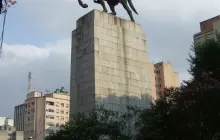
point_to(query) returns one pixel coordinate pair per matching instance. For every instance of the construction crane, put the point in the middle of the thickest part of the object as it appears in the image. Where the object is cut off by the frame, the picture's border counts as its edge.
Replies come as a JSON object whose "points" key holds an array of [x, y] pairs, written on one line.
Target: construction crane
{"points": [[4, 5]]}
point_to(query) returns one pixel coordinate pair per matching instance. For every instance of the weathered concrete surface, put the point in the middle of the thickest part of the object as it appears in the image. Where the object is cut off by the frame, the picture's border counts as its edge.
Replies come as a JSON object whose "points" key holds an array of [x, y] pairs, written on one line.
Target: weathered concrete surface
{"points": [[108, 63]]}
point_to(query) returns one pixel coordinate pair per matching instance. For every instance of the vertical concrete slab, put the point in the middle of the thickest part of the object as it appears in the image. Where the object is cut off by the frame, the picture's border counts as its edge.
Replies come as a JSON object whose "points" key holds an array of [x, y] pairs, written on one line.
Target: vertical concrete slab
{"points": [[108, 64]]}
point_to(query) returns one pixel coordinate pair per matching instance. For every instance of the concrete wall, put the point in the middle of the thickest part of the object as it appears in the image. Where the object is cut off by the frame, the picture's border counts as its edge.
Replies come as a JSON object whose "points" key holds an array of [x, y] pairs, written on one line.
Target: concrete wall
{"points": [[39, 123], [18, 135], [108, 64], [3, 135]]}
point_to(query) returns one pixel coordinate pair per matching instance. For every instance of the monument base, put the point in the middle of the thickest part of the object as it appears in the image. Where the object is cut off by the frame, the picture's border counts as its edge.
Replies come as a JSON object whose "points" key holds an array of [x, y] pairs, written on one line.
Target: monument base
{"points": [[108, 64]]}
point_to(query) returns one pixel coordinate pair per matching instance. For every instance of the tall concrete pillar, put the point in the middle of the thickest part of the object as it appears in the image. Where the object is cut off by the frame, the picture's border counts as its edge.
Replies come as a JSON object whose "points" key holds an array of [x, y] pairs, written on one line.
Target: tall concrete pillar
{"points": [[108, 64]]}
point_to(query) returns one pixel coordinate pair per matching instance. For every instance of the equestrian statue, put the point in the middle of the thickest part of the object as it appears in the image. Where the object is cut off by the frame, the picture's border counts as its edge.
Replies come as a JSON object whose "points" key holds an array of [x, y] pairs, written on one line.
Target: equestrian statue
{"points": [[112, 4]]}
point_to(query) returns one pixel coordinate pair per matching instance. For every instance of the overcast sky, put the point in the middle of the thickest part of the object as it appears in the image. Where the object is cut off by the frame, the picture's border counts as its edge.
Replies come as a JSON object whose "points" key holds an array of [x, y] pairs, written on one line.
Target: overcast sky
{"points": [[37, 39]]}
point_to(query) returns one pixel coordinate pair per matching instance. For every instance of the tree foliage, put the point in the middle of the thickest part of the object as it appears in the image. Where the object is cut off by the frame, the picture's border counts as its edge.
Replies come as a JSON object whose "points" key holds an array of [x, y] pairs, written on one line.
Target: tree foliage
{"points": [[96, 125], [190, 112], [205, 59]]}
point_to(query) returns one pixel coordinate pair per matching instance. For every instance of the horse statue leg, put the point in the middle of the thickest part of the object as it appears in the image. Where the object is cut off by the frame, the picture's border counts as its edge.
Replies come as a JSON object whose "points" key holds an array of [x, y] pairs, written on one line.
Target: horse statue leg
{"points": [[125, 5], [102, 3], [82, 4], [112, 4], [112, 7]]}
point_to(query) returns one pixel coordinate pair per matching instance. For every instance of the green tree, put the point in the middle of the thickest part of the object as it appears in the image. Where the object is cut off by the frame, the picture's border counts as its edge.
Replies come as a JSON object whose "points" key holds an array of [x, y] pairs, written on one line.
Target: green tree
{"points": [[96, 125], [205, 59], [190, 112]]}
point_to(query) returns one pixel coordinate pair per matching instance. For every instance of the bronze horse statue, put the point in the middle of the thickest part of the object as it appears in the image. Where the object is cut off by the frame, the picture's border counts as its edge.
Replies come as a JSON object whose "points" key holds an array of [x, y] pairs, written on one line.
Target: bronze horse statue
{"points": [[112, 4]]}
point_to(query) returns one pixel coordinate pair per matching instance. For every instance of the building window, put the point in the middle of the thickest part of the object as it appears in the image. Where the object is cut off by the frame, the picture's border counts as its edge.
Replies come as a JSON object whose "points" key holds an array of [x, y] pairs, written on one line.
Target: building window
{"points": [[50, 110], [49, 103], [62, 104], [67, 106], [61, 118], [67, 113], [50, 117], [61, 112], [57, 104], [57, 111]]}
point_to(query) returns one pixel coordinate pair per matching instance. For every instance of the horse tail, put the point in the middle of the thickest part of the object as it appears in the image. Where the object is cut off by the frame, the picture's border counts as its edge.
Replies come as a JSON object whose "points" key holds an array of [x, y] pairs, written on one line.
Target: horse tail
{"points": [[132, 6], [82, 4]]}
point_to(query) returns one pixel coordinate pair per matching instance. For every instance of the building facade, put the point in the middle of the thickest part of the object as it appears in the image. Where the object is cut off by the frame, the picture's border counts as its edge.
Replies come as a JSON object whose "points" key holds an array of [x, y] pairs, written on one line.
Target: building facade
{"points": [[9, 135], [8, 132], [19, 117], [44, 113], [208, 29], [6, 121], [163, 77]]}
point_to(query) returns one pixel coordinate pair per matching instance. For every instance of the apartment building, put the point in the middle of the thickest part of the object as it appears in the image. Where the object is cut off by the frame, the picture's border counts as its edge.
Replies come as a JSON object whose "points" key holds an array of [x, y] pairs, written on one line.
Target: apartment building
{"points": [[162, 77], [45, 113], [208, 29]]}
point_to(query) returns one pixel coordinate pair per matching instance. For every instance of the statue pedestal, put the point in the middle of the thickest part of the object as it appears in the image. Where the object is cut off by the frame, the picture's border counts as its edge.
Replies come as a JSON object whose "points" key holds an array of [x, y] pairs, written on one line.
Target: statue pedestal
{"points": [[108, 64]]}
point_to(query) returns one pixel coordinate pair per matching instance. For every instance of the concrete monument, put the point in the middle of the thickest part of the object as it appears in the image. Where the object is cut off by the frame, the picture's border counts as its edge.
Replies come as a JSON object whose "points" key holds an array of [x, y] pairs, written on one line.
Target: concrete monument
{"points": [[108, 64]]}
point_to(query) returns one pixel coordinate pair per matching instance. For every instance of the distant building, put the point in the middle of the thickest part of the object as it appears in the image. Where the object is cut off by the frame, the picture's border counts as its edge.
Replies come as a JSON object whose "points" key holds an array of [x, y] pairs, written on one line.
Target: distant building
{"points": [[162, 77], [6, 121], [8, 131], [208, 29], [11, 135], [19, 117], [43, 113]]}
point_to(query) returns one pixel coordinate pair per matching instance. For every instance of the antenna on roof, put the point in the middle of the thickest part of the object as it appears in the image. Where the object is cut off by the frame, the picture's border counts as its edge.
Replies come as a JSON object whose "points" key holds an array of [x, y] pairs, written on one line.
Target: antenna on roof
{"points": [[29, 82]]}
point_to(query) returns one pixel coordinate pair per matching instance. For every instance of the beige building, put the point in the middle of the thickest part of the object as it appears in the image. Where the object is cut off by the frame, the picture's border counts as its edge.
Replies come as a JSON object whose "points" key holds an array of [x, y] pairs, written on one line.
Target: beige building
{"points": [[208, 29], [162, 77], [8, 132], [45, 113]]}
